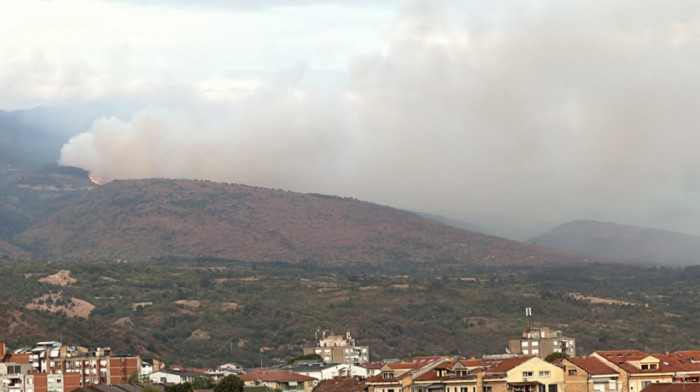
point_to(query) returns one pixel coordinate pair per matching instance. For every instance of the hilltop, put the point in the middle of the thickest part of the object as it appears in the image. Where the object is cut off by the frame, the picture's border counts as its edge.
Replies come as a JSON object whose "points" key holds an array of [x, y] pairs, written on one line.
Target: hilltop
{"points": [[624, 242], [150, 219]]}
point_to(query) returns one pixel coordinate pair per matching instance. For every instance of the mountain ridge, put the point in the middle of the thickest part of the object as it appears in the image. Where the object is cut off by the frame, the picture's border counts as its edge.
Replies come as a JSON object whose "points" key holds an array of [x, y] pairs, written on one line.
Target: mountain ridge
{"points": [[624, 242], [144, 219]]}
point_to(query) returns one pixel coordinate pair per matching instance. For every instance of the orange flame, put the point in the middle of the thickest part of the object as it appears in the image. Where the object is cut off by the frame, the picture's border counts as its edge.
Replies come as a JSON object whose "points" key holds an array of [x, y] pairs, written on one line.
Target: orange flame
{"points": [[95, 180]]}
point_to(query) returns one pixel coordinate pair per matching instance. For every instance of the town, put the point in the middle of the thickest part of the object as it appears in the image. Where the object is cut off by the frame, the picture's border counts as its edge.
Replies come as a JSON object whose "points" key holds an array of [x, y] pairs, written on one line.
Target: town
{"points": [[541, 360]]}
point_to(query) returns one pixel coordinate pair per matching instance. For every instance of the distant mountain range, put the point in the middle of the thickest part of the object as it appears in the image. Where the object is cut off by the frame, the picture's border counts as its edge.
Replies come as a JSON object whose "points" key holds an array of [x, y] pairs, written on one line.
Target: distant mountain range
{"points": [[58, 213], [624, 242]]}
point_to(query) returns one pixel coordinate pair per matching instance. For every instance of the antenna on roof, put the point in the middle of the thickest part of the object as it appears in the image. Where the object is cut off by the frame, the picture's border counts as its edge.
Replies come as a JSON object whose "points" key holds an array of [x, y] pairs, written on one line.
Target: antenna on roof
{"points": [[528, 314]]}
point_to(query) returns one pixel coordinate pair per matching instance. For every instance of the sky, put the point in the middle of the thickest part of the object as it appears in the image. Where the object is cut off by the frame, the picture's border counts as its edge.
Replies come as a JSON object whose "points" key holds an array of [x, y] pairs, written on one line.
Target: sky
{"points": [[516, 115]]}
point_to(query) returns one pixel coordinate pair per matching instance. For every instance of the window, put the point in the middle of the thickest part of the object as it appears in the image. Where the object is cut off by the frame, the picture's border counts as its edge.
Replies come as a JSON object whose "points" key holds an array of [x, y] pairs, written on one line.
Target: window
{"points": [[552, 387], [572, 372], [527, 374], [544, 373], [645, 384], [486, 389], [535, 343], [535, 351], [526, 352], [464, 389]]}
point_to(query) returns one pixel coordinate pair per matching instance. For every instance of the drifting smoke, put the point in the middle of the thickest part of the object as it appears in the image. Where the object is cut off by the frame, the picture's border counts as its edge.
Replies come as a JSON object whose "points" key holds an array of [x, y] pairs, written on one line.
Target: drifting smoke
{"points": [[577, 110]]}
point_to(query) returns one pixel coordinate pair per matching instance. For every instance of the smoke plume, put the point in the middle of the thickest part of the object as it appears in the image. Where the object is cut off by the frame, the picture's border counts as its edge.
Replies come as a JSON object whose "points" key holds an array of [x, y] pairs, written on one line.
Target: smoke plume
{"points": [[515, 118]]}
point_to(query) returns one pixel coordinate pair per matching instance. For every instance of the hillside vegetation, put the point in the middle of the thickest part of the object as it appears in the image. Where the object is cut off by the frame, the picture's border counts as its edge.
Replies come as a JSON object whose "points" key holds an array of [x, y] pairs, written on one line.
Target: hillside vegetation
{"points": [[208, 313], [142, 220]]}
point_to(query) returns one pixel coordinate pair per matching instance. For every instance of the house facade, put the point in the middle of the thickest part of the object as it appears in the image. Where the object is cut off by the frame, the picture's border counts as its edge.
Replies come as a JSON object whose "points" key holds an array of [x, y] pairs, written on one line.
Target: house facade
{"points": [[285, 380], [339, 349], [589, 374]]}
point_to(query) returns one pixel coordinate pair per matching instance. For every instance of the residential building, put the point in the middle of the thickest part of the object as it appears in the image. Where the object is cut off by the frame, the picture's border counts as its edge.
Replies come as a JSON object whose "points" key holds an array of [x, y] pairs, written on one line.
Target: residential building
{"points": [[14, 377], [684, 371], [285, 380], [522, 374], [327, 371], [447, 377], [589, 374], [399, 376], [56, 367], [542, 341], [637, 369], [339, 349]]}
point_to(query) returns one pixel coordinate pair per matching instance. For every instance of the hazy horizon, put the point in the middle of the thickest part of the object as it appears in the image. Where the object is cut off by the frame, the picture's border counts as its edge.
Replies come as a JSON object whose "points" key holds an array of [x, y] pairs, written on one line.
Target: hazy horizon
{"points": [[517, 116]]}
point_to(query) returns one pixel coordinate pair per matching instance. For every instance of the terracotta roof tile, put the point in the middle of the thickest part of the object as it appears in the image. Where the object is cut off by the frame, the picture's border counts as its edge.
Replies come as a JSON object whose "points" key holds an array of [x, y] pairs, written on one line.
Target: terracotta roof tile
{"points": [[504, 365], [668, 387], [592, 365]]}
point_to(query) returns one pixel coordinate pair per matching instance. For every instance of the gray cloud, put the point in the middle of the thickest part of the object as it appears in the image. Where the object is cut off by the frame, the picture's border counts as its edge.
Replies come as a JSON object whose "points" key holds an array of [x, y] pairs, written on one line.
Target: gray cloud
{"points": [[517, 118]]}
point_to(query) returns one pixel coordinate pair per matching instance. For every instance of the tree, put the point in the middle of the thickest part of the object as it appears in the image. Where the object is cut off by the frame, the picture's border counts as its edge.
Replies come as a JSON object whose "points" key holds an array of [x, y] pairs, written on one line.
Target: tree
{"points": [[134, 378], [229, 383], [554, 356], [202, 382], [184, 387], [306, 357]]}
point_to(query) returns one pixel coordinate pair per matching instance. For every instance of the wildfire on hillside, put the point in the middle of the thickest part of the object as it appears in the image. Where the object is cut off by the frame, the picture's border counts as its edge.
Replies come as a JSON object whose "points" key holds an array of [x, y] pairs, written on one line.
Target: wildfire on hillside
{"points": [[95, 180]]}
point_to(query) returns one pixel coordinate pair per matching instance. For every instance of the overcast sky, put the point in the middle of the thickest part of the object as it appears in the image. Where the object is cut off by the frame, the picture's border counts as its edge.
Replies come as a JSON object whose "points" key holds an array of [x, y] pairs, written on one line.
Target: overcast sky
{"points": [[517, 115]]}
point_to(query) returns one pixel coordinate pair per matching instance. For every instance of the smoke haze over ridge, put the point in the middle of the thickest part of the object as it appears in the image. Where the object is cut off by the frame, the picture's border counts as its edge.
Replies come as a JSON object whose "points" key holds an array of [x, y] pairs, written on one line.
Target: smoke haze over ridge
{"points": [[518, 116]]}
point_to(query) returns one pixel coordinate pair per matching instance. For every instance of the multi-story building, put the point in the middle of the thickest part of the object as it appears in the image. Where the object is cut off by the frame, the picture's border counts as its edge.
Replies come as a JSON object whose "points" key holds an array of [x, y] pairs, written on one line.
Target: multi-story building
{"points": [[53, 367], [637, 369], [399, 376], [448, 377], [326, 371], [542, 341], [522, 374], [339, 349]]}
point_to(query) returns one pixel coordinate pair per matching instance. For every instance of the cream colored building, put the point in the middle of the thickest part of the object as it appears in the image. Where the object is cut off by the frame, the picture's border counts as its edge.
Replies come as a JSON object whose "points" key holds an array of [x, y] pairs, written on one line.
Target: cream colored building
{"points": [[522, 374]]}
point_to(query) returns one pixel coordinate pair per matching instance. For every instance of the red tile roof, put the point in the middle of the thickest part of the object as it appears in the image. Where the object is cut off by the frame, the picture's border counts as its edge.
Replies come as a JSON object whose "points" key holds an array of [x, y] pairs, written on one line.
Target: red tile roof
{"points": [[409, 366], [693, 355], [676, 363], [592, 366], [503, 366], [668, 363], [401, 365], [677, 387], [341, 385]]}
